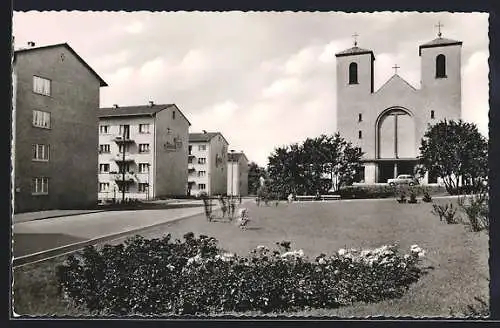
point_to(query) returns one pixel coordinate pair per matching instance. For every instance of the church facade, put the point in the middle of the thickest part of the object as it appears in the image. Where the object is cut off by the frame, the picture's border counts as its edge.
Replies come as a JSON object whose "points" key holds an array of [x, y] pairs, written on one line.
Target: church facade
{"points": [[389, 123]]}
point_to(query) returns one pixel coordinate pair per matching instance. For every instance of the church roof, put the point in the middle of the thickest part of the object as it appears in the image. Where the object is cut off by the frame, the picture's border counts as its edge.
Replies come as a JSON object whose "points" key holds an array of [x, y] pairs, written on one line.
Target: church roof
{"points": [[396, 79], [438, 42], [355, 51]]}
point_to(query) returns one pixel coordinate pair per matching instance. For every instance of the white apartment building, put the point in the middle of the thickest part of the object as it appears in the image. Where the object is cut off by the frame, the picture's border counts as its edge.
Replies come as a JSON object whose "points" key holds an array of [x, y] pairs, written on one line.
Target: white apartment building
{"points": [[237, 174], [143, 151], [207, 163]]}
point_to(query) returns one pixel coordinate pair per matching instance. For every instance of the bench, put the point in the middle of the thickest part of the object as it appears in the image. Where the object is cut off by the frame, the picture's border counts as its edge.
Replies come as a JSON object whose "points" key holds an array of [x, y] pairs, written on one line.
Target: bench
{"points": [[321, 197]]}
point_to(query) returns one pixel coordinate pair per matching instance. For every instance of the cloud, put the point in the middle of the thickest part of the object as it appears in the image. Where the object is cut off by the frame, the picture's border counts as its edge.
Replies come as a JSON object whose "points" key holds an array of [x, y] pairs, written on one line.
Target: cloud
{"points": [[262, 79], [134, 28]]}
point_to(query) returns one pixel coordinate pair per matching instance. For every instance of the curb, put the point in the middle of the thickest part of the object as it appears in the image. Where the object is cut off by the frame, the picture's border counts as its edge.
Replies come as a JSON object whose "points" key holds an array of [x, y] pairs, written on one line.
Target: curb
{"points": [[71, 248], [59, 216]]}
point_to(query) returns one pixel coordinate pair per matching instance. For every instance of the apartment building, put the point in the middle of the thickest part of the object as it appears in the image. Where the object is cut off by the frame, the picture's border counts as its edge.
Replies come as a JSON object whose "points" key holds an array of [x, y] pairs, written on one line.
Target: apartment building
{"points": [[237, 174], [54, 129], [143, 152], [207, 163]]}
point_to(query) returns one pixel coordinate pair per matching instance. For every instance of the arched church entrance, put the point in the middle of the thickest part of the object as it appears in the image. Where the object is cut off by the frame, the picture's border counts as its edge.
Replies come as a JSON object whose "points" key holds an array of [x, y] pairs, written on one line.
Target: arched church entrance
{"points": [[396, 148]]}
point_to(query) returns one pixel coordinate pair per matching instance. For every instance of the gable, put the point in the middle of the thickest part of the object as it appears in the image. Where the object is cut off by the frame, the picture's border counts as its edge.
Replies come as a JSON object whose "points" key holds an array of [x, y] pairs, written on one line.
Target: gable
{"points": [[396, 85]]}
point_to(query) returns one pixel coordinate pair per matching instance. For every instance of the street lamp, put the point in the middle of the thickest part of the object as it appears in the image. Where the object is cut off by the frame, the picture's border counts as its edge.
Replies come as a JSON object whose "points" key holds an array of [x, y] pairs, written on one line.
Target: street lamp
{"points": [[232, 169]]}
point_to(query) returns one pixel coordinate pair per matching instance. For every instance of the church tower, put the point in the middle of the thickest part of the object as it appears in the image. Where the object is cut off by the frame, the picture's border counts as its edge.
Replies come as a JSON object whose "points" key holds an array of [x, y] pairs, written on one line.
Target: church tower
{"points": [[355, 71], [441, 87]]}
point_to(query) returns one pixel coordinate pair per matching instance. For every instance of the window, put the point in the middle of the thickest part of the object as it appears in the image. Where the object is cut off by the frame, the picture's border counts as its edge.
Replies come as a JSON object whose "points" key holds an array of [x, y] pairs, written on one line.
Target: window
{"points": [[41, 85], [353, 73], [360, 134], [142, 187], [190, 160], [123, 167], [360, 117], [202, 186], [190, 149], [103, 168], [41, 119], [104, 149], [202, 147], [41, 152], [125, 131], [104, 129], [143, 148], [103, 186], [121, 147], [440, 66], [432, 114], [40, 186], [143, 167], [202, 160], [202, 173], [123, 187], [173, 115], [143, 128]]}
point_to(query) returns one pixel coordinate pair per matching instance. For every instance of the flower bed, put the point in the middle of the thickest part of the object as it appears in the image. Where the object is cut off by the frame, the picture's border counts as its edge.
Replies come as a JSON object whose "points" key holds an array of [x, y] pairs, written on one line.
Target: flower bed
{"points": [[194, 276]]}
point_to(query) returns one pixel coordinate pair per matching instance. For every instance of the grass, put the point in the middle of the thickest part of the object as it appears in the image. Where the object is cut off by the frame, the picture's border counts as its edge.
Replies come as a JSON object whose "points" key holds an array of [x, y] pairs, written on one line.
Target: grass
{"points": [[457, 257]]}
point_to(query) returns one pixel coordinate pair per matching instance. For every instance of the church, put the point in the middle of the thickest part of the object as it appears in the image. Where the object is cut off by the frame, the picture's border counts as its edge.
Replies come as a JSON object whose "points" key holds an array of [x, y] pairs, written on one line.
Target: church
{"points": [[388, 123]]}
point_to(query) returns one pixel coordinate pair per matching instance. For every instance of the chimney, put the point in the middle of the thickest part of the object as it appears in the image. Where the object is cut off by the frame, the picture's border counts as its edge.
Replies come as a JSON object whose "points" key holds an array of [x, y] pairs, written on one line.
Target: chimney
{"points": [[151, 103], [204, 131], [31, 44], [115, 106]]}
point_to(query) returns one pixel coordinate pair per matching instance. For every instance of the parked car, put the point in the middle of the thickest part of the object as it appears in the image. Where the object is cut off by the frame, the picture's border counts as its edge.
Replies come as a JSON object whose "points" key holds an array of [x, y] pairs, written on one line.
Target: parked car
{"points": [[403, 179]]}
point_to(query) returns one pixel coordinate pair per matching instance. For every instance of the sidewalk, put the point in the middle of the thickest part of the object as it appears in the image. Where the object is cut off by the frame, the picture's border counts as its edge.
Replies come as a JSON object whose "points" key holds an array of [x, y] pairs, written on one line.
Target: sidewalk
{"points": [[32, 216]]}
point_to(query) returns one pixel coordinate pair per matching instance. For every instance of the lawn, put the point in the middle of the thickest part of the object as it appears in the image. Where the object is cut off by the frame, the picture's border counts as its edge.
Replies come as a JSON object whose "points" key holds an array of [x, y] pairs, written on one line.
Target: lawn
{"points": [[457, 257]]}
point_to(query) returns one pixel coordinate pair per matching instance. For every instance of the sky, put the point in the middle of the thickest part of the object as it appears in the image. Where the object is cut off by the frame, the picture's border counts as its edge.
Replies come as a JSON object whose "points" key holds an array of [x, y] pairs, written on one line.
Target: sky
{"points": [[262, 79]]}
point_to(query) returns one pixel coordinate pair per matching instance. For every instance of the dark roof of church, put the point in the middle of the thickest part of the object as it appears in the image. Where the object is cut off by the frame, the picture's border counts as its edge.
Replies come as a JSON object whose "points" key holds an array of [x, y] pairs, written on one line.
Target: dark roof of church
{"points": [[438, 42], [66, 45], [204, 136], [355, 51]]}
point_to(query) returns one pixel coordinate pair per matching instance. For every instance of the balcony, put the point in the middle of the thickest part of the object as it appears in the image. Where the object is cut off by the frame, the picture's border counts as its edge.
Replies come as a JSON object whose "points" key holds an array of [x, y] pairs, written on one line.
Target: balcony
{"points": [[121, 139], [191, 170], [129, 177], [119, 158]]}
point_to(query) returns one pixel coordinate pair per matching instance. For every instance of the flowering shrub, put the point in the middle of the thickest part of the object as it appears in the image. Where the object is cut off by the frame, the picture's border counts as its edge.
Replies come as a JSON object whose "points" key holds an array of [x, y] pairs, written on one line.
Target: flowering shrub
{"points": [[162, 276]]}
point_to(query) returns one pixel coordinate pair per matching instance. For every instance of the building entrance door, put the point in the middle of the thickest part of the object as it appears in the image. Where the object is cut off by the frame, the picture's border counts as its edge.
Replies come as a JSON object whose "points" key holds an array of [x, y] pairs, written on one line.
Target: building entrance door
{"points": [[386, 171]]}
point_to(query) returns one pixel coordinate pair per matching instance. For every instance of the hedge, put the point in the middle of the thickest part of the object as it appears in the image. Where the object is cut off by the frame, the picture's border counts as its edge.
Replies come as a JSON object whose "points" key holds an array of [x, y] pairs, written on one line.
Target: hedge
{"points": [[386, 191], [194, 276]]}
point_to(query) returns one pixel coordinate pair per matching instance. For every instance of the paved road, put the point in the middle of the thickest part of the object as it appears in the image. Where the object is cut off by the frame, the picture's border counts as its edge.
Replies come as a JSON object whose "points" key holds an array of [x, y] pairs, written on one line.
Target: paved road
{"points": [[35, 236]]}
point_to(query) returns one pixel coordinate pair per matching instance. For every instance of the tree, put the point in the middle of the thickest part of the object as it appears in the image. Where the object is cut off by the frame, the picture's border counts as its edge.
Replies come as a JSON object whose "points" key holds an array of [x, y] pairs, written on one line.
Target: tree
{"points": [[310, 167], [254, 174], [454, 149]]}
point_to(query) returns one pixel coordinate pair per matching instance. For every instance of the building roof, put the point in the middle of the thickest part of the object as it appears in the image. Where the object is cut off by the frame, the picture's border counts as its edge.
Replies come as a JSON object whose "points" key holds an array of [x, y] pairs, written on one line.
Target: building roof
{"points": [[204, 136], [143, 110], [396, 79], [235, 157], [355, 51], [66, 45], [438, 42]]}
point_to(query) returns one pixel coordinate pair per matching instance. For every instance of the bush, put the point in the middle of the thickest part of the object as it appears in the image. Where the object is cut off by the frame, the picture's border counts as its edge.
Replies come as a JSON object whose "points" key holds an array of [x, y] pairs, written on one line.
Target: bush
{"points": [[446, 212], [385, 191], [413, 198], [427, 196], [476, 210], [194, 276]]}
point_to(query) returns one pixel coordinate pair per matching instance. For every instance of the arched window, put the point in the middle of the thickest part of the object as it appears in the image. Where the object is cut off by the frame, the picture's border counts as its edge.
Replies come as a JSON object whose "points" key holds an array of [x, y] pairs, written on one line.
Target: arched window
{"points": [[353, 73], [440, 66], [432, 114]]}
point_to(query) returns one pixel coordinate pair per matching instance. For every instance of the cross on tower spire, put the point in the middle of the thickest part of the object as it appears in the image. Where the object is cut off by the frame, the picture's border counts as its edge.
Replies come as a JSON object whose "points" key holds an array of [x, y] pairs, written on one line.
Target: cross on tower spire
{"points": [[439, 25], [396, 68], [355, 36]]}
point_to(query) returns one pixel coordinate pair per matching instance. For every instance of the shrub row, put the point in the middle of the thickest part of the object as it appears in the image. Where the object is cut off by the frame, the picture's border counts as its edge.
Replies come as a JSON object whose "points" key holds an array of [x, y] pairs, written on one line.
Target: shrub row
{"points": [[385, 191], [194, 276]]}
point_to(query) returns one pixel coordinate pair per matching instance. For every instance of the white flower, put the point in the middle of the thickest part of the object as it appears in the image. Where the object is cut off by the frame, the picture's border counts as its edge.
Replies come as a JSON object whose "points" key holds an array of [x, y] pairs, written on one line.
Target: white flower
{"points": [[406, 256], [342, 252], [336, 272], [170, 267], [321, 261], [421, 254]]}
